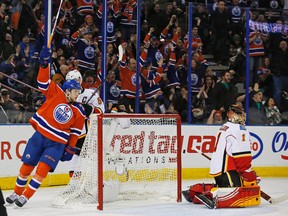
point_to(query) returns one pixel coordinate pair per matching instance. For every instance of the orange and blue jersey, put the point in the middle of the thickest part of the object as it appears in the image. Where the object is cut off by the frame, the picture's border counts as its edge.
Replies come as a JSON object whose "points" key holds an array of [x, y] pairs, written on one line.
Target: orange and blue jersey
{"points": [[150, 78], [256, 48], [128, 80], [85, 7], [171, 72], [57, 119]]}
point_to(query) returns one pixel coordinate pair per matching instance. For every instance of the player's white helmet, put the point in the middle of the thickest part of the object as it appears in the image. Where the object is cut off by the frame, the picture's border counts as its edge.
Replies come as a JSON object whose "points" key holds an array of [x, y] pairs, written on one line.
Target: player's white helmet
{"points": [[74, 75], [236, 114]]}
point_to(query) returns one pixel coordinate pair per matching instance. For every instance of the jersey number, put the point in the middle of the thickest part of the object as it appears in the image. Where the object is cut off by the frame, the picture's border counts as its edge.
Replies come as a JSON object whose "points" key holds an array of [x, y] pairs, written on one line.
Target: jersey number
{"points": [[243, 138]]}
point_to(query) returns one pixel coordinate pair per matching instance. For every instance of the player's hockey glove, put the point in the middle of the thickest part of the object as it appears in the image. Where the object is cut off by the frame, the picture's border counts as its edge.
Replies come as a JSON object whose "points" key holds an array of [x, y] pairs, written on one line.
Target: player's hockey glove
{"points": [[68, 153], [45, 57]]}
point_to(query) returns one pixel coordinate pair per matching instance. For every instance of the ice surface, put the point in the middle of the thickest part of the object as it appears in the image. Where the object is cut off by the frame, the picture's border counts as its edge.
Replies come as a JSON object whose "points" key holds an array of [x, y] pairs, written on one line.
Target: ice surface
{"points": [[40, 204]]}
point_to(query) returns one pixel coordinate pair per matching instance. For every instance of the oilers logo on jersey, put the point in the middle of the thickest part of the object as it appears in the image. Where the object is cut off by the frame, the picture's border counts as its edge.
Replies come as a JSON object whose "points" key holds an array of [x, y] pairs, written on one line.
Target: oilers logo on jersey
{"points": [[194, 79], [158, 55], [115, 91], [258, 41], [110, 27], [274, 4], [236, 11], [133, 79], [89, 52], [65, 41], [62, 113]]}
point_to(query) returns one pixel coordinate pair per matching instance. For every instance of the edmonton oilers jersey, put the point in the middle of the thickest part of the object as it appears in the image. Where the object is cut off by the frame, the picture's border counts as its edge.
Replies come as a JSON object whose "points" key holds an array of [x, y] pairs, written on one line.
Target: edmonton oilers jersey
{"points": [[57, 119]]}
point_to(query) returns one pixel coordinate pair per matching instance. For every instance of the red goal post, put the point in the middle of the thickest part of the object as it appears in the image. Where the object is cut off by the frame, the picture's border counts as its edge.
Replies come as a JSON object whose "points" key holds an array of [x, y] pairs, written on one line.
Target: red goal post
{"points": [[127, 157]]}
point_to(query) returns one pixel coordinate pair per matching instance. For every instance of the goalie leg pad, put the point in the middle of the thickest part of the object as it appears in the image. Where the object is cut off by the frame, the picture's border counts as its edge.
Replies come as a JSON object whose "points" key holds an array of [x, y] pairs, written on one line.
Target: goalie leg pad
{"points": [[236, 197]]}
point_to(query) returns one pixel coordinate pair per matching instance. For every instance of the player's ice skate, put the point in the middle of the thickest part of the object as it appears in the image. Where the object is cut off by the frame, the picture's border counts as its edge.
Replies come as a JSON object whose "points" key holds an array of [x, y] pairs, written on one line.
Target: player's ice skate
{"points": [[12, 198], [21, 201]]}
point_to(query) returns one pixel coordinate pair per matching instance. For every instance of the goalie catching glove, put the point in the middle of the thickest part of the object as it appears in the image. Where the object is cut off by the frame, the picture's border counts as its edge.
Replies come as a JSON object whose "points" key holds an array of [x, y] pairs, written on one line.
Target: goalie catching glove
{"points": [[68, 153]]}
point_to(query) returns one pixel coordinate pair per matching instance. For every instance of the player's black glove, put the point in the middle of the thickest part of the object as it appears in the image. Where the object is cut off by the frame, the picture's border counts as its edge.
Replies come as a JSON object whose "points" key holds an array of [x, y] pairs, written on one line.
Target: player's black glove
{"points": [[68, 153], [45, 57]]}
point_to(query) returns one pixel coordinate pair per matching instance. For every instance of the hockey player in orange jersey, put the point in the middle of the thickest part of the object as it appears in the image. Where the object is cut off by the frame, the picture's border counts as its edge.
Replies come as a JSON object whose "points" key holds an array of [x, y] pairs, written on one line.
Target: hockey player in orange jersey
{"points": [[57, 123], [231, 166]]}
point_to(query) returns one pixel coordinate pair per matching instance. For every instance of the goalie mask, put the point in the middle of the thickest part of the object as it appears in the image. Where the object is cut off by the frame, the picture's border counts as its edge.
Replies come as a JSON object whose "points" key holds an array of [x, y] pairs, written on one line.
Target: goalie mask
{"points": [[236, 115], [74, 75]]}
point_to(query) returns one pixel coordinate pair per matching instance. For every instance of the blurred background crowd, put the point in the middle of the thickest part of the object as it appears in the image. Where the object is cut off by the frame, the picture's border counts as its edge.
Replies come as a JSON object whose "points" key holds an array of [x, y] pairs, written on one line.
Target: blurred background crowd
{"points": [[219, 56]]}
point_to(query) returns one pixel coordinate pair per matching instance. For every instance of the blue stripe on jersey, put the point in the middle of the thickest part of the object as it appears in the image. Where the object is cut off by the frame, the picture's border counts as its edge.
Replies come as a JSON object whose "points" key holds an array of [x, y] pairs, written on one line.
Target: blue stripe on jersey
{"points": [[34, 184], [21, 182], [127, 93], [60, 134], [75, 131], [43, 85], [152, 93], [123, 64], [257, 50]]}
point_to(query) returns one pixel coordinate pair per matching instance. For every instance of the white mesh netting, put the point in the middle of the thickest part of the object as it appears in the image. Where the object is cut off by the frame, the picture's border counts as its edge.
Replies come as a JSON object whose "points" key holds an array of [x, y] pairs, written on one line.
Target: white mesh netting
{"points": [[139, 162]]}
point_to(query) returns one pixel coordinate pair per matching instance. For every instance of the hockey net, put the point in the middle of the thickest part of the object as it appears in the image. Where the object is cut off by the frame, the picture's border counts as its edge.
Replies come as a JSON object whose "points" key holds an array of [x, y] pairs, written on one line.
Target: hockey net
{"points": [[126, 157]]}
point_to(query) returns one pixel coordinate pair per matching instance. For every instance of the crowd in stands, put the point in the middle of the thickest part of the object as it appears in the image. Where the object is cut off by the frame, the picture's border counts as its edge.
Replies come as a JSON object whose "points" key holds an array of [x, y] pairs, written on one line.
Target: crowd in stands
{"points": [[218, 30]]}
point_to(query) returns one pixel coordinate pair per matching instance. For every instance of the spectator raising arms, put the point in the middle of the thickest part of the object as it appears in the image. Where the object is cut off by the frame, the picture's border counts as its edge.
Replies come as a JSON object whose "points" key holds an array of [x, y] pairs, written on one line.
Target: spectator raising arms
{"points": [[82, 42], [256, 107], [272, 112], [128, 79]]}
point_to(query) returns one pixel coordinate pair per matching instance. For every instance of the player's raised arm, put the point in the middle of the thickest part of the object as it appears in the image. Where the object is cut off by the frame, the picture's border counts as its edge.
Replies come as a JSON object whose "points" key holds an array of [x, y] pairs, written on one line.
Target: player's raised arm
{"points": [[44, 75]]}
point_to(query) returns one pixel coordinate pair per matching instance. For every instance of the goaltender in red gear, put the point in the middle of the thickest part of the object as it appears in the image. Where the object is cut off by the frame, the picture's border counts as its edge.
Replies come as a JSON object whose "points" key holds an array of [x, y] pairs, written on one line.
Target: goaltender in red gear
{"points": [[58, 124], [231, 167]]}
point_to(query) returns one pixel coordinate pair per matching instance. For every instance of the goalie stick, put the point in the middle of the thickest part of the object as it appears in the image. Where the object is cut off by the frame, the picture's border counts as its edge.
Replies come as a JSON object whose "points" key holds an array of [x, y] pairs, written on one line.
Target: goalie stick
{"points": [[264, 195]]}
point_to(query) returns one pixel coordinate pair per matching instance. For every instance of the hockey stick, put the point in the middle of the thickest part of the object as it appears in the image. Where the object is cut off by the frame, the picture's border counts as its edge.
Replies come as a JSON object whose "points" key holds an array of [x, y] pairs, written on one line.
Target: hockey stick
{"points": [[274, 200], [279, 199], [264, 195], [99, 87], [55, 24]]}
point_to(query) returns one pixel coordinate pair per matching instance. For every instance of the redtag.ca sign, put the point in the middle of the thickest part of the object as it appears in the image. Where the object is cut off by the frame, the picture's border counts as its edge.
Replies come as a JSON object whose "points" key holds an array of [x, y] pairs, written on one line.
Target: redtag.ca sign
{"points": [[150, 145], [150, 141]]}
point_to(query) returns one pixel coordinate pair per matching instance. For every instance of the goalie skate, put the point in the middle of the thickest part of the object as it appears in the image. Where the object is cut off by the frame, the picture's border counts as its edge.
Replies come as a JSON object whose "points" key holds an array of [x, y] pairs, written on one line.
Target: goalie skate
{"points": [[205, 200]]}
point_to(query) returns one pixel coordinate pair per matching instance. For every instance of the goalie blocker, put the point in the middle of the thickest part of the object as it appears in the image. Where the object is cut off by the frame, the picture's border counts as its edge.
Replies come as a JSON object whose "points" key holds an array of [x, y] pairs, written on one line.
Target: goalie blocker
{"points": [[215, 197]]}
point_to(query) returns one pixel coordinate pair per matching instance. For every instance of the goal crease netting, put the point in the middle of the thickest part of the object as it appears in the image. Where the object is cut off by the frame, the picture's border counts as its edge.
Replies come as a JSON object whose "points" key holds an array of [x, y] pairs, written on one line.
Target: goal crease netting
{"points": [[126, 157]]}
